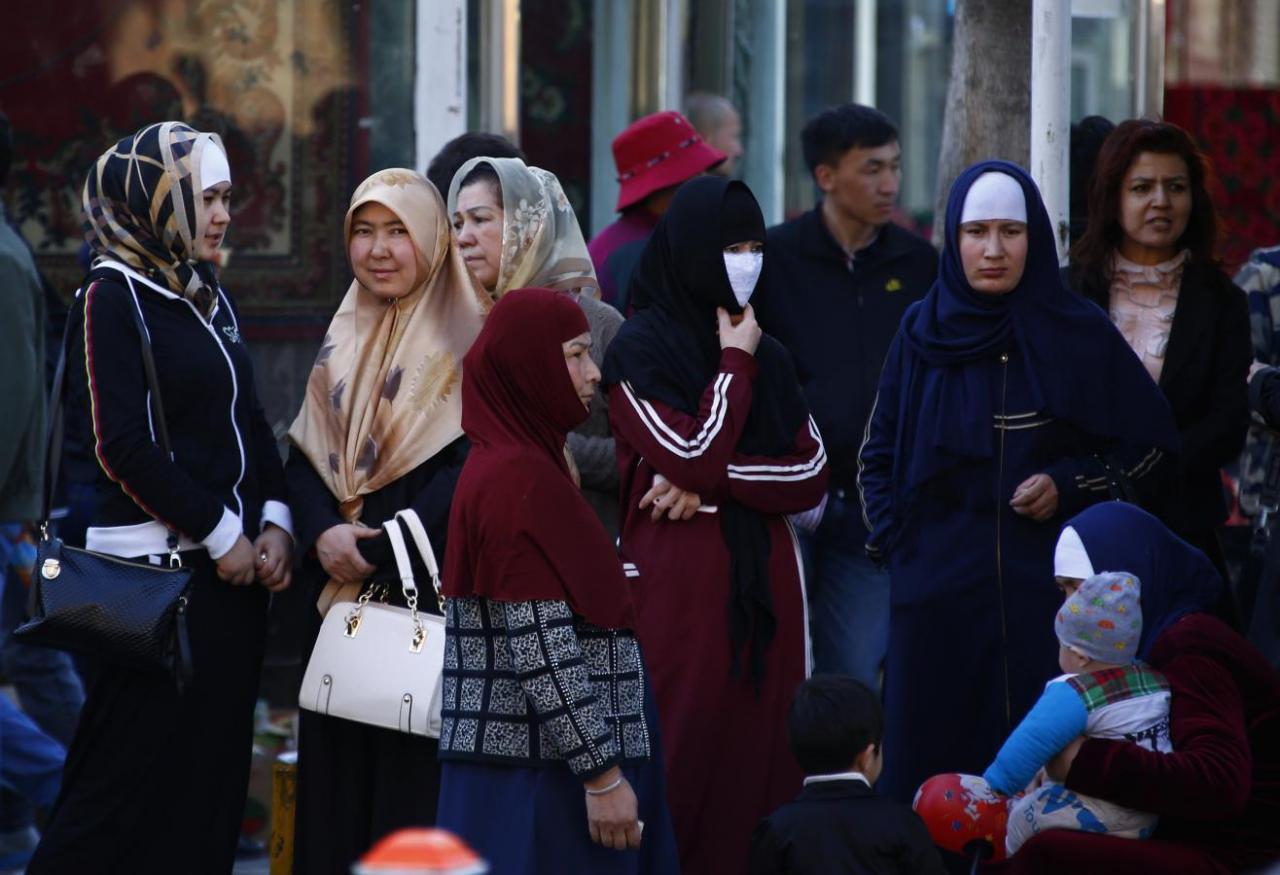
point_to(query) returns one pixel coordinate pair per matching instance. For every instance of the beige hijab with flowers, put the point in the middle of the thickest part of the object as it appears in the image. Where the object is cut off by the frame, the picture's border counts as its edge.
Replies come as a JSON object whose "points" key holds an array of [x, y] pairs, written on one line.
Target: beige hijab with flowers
{"points": [[542, 244], [384, 395]]}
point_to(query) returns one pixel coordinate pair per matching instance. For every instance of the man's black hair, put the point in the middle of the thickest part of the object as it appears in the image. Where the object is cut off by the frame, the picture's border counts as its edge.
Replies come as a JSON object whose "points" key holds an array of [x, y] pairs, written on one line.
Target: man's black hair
{"points": [[460, 150], [1087, 136], [832, 132], [832, 719]]}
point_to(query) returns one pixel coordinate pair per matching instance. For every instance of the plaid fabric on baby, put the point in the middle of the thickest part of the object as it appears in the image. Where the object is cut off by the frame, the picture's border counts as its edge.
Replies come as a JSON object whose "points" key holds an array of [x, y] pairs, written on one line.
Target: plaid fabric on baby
{"points": [[1112, 685]]}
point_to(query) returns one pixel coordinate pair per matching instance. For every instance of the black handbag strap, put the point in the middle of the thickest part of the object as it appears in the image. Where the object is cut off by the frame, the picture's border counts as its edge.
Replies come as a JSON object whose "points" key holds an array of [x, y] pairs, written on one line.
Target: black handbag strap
{"points": [[57, 398]]}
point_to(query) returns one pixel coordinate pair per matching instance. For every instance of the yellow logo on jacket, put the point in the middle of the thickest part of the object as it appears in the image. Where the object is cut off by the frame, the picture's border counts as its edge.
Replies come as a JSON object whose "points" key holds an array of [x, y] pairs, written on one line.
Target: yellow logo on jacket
{"points": [[893, 285]]}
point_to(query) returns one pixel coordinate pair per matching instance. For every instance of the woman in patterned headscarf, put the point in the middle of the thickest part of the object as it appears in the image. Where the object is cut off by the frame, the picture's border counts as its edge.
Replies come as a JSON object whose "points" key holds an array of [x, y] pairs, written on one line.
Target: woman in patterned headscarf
{"points": [[155, 778], [516, 229], [380, 431]]}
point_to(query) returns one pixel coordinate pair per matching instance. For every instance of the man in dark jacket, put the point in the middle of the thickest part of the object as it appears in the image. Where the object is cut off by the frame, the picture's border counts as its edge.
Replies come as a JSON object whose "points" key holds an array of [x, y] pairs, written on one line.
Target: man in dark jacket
{"points": [[840, 278]]}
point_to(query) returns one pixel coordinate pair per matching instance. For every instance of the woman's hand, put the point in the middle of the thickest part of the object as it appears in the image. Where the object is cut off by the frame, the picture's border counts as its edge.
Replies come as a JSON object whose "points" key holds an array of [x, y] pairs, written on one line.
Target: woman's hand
{"points": [[1036, 498], [744, 336], [1058, 767], [236, 565], [339, 557], [676, 503], [274, 553], [612, 817]]}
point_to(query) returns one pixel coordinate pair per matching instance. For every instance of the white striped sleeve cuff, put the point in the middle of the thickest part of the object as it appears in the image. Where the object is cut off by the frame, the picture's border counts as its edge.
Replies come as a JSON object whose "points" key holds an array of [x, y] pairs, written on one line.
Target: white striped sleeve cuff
{"points": [[667, 437], [224, 535], [277, 513], [811, 467]]}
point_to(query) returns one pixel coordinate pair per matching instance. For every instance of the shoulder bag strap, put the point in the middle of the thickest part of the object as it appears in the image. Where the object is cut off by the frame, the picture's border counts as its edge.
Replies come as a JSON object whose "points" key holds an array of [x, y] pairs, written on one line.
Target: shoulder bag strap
{"points": [[418, 532], [57, 398], [157, 407], [53, 436]]}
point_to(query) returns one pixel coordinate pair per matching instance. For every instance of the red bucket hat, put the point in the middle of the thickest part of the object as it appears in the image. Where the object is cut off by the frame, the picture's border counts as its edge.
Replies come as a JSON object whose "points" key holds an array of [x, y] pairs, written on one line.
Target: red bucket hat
{"points": [[656, 152]]}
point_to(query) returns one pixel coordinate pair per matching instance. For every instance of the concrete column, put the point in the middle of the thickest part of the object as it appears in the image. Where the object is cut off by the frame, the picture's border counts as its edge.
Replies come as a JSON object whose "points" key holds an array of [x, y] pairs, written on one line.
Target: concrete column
{"points": [[440, 76], [1051, 112]]}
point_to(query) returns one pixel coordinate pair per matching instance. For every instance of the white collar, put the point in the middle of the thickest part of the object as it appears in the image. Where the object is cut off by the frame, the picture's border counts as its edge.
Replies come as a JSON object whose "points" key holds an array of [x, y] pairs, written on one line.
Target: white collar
{"points": [[123, 268], [837, 776], [137, 277]]}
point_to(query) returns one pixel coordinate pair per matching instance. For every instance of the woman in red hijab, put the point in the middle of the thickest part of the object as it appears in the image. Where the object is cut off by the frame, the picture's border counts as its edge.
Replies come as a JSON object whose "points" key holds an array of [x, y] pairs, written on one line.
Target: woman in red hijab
{"points": [[549, 742]]}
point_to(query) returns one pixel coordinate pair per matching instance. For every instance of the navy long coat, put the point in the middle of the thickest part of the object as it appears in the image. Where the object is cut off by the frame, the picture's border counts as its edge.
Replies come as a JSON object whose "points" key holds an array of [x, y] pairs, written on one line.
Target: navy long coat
{"points": [[971, 640]]}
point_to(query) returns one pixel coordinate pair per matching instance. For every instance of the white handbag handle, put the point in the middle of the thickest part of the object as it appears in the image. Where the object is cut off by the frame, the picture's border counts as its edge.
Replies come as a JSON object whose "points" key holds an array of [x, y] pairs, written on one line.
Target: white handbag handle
{"points": [[410, 589], [407, 585], [418, 532]]}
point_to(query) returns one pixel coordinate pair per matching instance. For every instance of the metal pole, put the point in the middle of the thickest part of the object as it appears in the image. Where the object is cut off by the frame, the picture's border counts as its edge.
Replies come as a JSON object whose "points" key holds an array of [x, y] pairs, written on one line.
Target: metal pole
{"points": [[1154, 74], [864, 69], [762, 165], [610, 102], [1051, 111], [500, 44]]}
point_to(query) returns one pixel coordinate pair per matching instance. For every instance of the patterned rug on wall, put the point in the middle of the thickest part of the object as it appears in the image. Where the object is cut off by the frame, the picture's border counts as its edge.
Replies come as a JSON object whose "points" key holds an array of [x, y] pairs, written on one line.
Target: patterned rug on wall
{"points": [[273, 77], [1239, 129]]}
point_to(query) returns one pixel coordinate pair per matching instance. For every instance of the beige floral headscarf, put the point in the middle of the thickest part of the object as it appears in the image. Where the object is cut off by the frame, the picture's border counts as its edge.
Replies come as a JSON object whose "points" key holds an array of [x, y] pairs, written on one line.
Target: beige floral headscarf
{"points": [[383, 395], [542, 245]]}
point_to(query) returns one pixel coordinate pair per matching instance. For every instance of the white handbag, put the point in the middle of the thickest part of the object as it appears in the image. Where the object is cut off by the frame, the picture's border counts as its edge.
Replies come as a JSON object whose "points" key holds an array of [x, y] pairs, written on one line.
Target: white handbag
{"points": [[381, 664]]}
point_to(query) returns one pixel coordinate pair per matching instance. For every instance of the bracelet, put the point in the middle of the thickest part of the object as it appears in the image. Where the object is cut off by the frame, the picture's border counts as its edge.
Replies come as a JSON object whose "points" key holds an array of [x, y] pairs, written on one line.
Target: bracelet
{"points": [[603, 790]]}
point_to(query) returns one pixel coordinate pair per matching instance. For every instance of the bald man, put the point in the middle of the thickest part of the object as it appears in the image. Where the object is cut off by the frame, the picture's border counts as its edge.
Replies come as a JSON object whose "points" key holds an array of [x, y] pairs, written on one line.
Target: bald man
{"points": [[716, 119]]}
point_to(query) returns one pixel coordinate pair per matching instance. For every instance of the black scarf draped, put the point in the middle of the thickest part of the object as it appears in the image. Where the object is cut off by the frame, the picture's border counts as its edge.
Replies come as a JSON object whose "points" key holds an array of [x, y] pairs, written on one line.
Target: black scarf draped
{"points": [[669, 351]]}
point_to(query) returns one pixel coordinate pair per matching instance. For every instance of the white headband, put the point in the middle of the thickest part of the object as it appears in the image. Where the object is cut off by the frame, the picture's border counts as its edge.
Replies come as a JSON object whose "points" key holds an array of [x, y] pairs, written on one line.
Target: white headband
{"points": [[213, 165], [1070, 559], [994, 195]]}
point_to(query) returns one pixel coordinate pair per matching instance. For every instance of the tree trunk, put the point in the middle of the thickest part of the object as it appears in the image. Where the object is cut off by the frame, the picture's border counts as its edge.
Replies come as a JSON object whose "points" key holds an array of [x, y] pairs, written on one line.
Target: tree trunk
{"points": [[988, 111]]}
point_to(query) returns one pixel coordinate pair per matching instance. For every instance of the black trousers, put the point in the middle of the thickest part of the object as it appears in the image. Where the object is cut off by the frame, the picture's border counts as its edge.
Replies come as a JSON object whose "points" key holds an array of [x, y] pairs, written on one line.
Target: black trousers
{"points": [[356, 784], [155, 780]]}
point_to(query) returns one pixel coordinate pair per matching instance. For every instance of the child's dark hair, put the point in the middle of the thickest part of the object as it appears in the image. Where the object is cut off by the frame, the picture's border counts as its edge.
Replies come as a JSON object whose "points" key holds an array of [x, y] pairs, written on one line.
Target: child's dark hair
{"points": [[832, 719], [832, 132]]}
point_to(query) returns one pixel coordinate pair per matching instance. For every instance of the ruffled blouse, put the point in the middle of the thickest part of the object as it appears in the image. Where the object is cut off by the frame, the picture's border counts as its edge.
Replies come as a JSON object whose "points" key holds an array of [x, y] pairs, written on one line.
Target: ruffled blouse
{"points": [[1143, 301]]}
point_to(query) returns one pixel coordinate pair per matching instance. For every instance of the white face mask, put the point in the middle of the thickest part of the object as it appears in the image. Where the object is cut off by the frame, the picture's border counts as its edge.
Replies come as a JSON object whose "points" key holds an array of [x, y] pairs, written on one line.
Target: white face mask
{"points": [[743, 269]]}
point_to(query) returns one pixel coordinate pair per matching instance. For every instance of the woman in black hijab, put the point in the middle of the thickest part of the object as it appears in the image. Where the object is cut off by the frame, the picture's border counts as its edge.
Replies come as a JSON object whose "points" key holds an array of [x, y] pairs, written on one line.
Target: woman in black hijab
{"points": [[715, 447]]}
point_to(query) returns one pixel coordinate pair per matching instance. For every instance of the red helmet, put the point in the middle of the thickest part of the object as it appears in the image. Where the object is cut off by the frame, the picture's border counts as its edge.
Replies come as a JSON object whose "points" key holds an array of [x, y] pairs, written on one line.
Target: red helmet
{"points": [[963, 814]]}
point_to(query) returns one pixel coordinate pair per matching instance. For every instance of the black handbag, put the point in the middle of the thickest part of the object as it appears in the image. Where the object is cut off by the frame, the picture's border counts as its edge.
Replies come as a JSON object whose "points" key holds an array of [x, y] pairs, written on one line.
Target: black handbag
{"points": [[122, 612]]}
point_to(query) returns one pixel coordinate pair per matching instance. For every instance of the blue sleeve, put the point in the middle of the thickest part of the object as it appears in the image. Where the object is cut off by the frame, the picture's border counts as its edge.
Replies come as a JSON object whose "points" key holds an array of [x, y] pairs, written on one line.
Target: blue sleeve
{"points": [[1053, 722]]}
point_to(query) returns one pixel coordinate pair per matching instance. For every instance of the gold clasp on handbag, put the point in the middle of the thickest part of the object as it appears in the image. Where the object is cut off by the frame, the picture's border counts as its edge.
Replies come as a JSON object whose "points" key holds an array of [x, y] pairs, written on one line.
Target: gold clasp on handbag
{"points": [[419, 631], [353, 618], [51, 569]]}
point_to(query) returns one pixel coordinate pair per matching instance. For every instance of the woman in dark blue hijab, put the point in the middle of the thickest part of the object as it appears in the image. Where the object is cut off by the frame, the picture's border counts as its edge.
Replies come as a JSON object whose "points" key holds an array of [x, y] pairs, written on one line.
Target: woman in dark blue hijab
{"points": [[1006, 405], [1218, 793], [1177, 579]]}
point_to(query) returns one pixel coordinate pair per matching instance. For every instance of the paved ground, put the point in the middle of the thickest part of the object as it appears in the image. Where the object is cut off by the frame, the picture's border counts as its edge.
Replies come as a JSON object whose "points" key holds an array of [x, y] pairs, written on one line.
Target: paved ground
{"points": [[245, 867]]}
